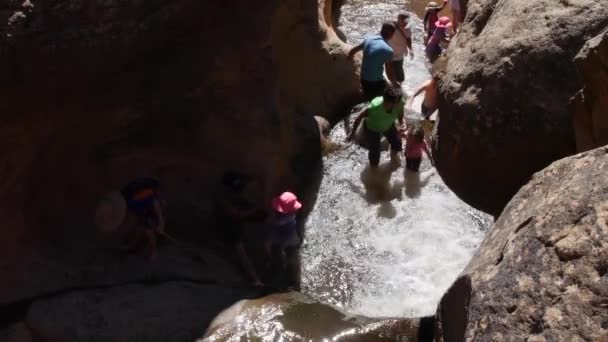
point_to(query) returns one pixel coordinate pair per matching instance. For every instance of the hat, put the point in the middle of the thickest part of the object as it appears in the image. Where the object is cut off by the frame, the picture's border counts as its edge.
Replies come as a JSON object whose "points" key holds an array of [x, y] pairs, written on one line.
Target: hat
{"points": [[286, 203], [111, 211], [432, 5], [443, 22]]}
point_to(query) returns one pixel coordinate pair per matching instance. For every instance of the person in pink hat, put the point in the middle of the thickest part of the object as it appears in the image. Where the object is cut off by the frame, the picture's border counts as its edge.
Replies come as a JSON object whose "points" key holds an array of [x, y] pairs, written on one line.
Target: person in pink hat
{"points": [[283, 233], [433, 47]]}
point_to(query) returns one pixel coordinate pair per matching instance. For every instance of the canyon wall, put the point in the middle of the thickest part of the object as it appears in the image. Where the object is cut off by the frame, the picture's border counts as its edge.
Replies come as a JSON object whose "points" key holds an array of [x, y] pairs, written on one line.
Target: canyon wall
{"points": [[96, 93], [541, 273], [504, 100]]}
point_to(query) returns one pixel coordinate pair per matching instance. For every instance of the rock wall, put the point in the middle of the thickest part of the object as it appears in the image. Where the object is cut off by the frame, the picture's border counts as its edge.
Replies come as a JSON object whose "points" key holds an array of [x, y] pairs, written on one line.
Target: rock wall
{"points": [[95, 93], [590, 106], [504, 98], [541, 274]]}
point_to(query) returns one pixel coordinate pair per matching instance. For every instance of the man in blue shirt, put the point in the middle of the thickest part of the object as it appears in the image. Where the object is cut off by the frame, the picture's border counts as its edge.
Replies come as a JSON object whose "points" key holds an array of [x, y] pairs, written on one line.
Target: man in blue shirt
{"points": [[376, 54]]}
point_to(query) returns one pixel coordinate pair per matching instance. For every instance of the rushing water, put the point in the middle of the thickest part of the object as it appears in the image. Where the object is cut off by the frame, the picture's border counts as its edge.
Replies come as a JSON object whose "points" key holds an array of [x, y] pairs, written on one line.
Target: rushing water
{"points": [[385, 244]]}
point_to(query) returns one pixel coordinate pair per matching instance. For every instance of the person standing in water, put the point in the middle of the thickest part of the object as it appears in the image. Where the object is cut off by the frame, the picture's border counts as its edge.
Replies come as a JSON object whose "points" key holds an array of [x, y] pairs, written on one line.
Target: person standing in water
{"points": [[414, 146], [431, 95], [430, 18], [380, 118], [283, 232], [433, 47], [377, 54], [401, 43]]}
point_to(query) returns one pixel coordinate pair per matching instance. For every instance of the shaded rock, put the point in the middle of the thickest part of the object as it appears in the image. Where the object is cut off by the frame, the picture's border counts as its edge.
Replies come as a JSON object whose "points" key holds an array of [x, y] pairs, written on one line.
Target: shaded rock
{"points": [[16, 333], [590, 105], [173, 311], [94, 94], [541, 274], [301, 318], [505, 94], [318, 78]]}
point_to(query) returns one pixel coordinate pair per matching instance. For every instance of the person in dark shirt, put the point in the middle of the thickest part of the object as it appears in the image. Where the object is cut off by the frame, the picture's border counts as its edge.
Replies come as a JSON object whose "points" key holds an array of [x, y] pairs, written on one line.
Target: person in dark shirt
{"points": [[144, 207]]}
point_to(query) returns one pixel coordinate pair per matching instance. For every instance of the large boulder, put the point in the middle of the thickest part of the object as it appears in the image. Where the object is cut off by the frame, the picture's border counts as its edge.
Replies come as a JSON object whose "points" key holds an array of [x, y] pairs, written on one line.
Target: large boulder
{"points": [[298, 317], [541, 274], [590, 105], [96, 93], [504, 97]]}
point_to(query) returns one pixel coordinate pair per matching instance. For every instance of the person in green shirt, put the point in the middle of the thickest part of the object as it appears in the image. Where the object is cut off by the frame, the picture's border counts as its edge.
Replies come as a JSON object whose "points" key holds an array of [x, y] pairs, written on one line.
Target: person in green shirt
{"points": [[380, 117]]}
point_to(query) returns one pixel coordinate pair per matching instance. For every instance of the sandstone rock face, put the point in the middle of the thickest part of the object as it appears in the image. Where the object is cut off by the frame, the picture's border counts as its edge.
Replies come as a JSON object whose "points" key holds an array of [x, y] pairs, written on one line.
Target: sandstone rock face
{"points": [[590, 105], [172, 311], [96, 93], [541, 274], [504, 98], [298, 317]]}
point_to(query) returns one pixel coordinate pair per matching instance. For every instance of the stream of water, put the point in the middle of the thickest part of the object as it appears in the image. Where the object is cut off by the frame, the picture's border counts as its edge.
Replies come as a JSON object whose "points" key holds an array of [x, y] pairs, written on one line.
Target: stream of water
{"points": [[388, 244]]}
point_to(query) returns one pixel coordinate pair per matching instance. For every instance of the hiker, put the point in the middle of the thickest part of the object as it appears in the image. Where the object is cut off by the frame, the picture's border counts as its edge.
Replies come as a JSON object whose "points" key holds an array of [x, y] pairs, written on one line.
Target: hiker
{"points": [[457, 15], [401, 43], [430, 18], [283, 233], [236, 211], [380, 118], [377, 53], [433, 46], [144, 208], [429, 104], [136, 213], [414, 146]]}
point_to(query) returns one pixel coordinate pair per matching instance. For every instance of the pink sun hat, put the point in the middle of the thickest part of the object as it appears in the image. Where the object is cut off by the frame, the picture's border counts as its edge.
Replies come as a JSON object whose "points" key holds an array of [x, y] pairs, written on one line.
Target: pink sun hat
{"points": [[443, 22], [286, 203]]}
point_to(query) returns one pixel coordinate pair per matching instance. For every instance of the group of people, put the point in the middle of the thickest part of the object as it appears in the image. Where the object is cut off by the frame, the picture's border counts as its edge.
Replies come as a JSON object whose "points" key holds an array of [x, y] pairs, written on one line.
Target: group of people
{"points": [[137, 214], [274, 225], [384, 53]]}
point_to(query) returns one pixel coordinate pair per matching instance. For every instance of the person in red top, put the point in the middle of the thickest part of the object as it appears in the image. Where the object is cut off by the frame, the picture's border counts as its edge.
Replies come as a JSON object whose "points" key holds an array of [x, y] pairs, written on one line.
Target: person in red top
{"points": [[430, 18], [414, 146]]}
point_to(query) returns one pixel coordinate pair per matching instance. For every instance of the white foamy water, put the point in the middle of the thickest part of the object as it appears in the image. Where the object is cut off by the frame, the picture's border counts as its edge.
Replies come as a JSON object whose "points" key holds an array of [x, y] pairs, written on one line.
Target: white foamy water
{"points": [[391, 243]]}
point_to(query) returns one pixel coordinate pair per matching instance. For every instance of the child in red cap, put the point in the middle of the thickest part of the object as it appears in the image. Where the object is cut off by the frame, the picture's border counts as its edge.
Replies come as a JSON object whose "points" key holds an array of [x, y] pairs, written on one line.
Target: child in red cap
{"points": [[441, 34], [283, 233]]}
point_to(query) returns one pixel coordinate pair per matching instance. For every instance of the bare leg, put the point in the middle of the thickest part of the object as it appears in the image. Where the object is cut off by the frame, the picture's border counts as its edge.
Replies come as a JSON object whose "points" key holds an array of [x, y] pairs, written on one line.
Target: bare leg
{"points": [[151, 237]]}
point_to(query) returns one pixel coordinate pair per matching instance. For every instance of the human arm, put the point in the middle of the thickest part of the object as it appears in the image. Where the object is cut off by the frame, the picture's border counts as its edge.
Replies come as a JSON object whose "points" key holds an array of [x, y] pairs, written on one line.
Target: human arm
{"points": [[360, 117], [410, 101], [425, 147], [160, 228], [408, 41], [390, 73], [445, 2], [354, 50], [247, 264]]}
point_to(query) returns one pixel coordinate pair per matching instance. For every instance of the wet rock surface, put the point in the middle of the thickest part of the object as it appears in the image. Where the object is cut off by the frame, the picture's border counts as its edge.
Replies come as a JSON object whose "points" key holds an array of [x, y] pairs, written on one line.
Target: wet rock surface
{"points": [[590, 105], [297, 317], [504, 97], [541, 274]]}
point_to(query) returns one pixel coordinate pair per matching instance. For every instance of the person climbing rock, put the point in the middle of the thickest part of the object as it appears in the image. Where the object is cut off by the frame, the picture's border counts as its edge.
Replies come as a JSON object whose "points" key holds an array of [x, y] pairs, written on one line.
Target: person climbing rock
{"points": [[430, 18], [377, 54], [433, 47], [236, 210], [144, 207], [401, 43], [414, 146], [431, 96], [457, 14], [380, 118], [283, 233], [135, 213]]}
